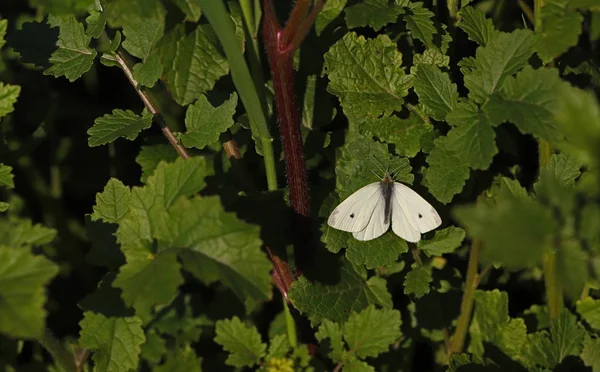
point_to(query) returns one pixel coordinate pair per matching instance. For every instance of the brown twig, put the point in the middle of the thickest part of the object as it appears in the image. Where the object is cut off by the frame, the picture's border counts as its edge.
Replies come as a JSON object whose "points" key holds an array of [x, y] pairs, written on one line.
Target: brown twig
{"points": [[122, 60]]}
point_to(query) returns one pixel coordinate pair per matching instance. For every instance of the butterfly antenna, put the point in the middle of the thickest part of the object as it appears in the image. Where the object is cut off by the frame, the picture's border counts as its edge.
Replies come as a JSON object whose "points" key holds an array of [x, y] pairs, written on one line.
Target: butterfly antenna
{"points": [[377, 164], [399, 168]]}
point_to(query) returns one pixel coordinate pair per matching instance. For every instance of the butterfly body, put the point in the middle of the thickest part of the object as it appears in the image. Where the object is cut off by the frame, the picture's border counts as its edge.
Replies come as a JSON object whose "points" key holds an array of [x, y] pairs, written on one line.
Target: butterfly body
{"points": [[369, 212]]}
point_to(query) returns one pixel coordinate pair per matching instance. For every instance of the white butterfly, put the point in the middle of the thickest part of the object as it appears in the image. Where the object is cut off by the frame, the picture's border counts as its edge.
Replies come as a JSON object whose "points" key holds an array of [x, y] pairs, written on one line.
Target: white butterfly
{"points": [[368, 212]]}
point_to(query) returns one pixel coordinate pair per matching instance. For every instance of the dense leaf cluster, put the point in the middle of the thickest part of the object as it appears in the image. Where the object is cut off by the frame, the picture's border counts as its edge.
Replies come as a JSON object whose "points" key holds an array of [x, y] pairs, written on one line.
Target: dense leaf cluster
{"points": [[144, 210]]}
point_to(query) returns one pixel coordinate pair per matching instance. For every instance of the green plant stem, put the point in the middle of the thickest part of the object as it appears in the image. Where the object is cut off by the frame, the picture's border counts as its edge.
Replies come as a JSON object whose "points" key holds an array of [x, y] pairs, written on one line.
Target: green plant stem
{"points": [[537, 12], [219, 18], [466, 306], [122, 61], [527, 11], [553, 293]]}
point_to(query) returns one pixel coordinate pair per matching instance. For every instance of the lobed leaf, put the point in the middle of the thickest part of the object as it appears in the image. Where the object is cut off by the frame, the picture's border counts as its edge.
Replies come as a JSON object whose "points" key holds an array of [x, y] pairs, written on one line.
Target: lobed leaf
{"points": [[560, 27], [113, 203], [589, 309], [372, 331], [242, 342], [205, 123], [6, 176], [8, 98], [374, 13], [436, 92], [479, 28], [120, 123], [443, 241], [417, 281], [141, 36]]}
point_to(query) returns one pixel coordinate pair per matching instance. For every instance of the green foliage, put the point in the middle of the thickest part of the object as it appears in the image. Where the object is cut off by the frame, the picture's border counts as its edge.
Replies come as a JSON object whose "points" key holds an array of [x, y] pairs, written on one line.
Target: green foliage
{"points": [[191, 246]]}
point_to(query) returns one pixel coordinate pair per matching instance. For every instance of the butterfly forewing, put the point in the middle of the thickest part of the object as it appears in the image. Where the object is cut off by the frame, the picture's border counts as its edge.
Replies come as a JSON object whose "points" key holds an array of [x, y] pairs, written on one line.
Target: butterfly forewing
{"points": [[420, 214], [354, 213]]}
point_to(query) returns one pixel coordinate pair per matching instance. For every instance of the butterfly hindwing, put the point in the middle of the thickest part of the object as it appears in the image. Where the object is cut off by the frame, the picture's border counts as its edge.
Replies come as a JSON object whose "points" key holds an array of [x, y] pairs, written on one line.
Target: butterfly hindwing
{"points": [[354, 213], [378, 223], [401, 224]]}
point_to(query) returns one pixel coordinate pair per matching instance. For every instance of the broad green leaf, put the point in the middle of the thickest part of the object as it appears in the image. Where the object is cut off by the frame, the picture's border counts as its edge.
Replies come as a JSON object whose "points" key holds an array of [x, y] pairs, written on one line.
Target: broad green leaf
{"points": [[591, 353], [242, 342], [205, 123], [150, 156], [121, 12], [3, 26], [148, 280], [220, 247], [120, 123], [504, 55], [191, 9], [198, 64], [116, 342], [374, 13], [6, 176], [447, 174], [565, 168], [529, 101], [572, 266], [372, 331], [4, 206], [148, 205], [479, 28], [408, 135], [565, 338], [331, 10], [383, 251], [431, 57], [417, 281], [113, 203], [351, 292], [181, 360], [515, 232], [279, 347], [96, 22], [333, 332], [23, 277], [19, 232], [472, 138], [491, 324], [142, 35], [419, 21], [560, 27], [167, 46], [73, 57], [443, 241], [8, 97], [147, 73], [334, 239], [589, 309], [578, 116], [367, 75], [436, 92], [352, 364]]}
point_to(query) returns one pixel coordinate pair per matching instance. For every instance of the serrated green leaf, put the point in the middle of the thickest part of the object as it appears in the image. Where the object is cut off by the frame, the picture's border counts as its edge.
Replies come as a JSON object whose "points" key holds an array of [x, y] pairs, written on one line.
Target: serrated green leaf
{"points": [[121, 12], [197, 65], [407, 135], [142, 35], [479, 28], [334, 239], [242, 342], [4, 206], [331, 10], [589, 309], [417, 281], [372, 331], [6, 176], [148, 280], [3, 26], [565, 167], [443, 241], [18, 232], [383, 251], [150, 156], [374, 13], [529, 101], [154, 348], [23, 277], [560, 27], [447, 174], [8, 97], [120, 123], [436, 92], [431, 57], [591, 353], [116, 342], [181, 360], [113, 203], [367, 75], [205, 123], [352, 364], [504, 55], [220, 247], [472, 139], [279, 347], [419, 21], [333, 333], [96, 22], [147, 73], [73, 57], [352, 292], [515, 232], [191, 9]]}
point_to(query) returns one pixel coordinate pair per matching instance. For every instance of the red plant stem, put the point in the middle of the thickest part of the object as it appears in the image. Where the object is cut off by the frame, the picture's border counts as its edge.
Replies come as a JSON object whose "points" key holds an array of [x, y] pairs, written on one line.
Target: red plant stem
{"points": [[280, 60]]}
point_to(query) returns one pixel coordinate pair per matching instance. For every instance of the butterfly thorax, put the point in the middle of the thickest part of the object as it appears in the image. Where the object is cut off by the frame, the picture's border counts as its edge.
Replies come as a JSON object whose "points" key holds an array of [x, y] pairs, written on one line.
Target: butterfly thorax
{"points": [[387, 189]]}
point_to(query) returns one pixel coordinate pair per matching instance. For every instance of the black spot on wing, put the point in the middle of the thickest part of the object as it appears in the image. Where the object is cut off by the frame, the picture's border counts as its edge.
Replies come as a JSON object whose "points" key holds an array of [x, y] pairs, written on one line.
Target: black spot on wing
{"points": [[420, 215], [352, 215]]}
